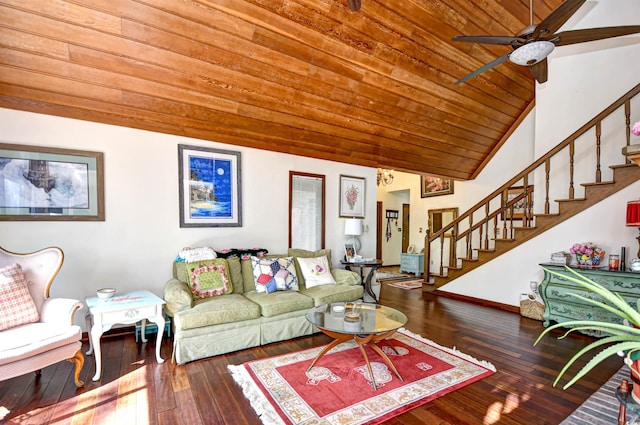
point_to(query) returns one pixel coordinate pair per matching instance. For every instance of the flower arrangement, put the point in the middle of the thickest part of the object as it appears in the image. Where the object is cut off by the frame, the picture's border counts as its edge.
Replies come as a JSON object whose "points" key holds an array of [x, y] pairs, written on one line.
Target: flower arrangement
{"points": [[587, 253], [636, 129], [352, 195]]}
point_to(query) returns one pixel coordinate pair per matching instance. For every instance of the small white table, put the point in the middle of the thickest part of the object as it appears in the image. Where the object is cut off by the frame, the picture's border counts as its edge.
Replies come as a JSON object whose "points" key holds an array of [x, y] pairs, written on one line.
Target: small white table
{"points": [[125, 308]]}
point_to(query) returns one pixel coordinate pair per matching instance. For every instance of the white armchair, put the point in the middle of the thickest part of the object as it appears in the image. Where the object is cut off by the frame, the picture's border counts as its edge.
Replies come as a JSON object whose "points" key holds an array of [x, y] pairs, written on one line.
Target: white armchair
{"points": [[32, 346]]}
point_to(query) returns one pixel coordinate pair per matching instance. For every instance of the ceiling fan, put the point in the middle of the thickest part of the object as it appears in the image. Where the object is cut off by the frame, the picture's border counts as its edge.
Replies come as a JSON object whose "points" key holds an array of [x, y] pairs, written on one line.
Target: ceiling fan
{"points": [[533, 44]]}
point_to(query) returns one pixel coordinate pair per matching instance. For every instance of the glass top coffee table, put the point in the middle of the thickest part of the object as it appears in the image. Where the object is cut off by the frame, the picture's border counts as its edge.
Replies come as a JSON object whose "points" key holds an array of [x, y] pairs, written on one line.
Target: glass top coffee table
{"points": [[364, 323]]}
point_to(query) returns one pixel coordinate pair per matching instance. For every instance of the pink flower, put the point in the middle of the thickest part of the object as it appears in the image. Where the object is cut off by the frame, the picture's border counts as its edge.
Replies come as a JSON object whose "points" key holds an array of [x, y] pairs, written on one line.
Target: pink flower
{"points": [[636, 129]]}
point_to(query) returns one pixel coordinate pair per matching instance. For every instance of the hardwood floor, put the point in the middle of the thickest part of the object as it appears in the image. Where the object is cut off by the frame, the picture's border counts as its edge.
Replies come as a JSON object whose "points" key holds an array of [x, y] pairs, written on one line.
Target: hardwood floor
{"points": [[136, 390]]}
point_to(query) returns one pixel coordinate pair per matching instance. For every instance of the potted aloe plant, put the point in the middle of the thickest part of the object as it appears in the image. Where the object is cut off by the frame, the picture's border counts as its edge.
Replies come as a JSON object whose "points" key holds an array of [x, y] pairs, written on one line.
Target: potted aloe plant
{"points": [[619, 337]]}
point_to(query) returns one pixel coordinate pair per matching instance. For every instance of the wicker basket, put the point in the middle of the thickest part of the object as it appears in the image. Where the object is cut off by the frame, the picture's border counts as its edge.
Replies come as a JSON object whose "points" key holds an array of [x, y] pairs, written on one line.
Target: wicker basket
{"points": [[530, 307]]}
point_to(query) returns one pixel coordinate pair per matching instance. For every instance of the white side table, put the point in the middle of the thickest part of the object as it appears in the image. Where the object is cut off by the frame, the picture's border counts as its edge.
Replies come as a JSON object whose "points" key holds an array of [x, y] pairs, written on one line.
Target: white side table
{"points": [[124, 308]]}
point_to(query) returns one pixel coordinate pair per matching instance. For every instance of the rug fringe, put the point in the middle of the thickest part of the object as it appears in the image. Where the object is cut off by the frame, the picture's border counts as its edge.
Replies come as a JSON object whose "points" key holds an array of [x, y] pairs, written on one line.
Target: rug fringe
{"points": [[260, 405], [453, 350]]}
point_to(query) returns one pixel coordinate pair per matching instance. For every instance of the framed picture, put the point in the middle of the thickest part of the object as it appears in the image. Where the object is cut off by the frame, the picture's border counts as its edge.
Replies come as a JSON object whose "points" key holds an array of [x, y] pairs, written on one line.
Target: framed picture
{"points": [[435, 186], [520, 207], [351, 196], [210, 187], [42, 183], [350, 251]]}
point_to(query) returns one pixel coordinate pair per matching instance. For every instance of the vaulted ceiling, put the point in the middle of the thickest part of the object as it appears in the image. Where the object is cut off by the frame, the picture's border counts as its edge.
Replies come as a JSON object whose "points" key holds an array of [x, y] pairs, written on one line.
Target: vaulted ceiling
{"points": [[374, 87]]}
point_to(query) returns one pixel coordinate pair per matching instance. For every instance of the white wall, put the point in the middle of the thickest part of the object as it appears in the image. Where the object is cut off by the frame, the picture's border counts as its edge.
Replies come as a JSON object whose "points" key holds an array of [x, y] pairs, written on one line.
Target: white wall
{"points": [[136, 244], [512, 158]]}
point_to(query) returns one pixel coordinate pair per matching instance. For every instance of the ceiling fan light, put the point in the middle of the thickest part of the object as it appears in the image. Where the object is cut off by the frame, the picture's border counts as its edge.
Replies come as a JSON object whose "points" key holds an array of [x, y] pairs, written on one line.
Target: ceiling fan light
{"points": [[531, 53]]}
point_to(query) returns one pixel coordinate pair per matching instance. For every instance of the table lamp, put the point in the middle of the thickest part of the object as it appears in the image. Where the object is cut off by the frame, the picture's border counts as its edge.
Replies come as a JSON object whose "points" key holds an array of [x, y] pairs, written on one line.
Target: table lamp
{"points": [[633, 218], [353, 228]]}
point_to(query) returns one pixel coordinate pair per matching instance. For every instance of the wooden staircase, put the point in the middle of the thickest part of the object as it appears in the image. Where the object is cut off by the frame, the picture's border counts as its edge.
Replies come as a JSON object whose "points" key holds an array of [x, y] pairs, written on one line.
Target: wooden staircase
{"points": [[483, 233]]}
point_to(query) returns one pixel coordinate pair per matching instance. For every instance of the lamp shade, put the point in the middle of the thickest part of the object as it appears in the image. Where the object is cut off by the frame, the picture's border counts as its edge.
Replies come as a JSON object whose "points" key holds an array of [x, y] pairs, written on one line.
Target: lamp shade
{"points": [[633, 213], [353, 227], [531, 53]]}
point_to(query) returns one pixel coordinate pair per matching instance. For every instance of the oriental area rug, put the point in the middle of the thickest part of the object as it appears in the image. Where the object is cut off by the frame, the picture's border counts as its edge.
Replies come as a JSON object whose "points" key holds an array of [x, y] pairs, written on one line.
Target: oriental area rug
{"points": [[338, 387]]}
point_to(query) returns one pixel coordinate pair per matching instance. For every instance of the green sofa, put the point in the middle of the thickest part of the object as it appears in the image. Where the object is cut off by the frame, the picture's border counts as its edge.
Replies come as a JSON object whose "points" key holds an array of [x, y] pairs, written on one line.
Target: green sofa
{"points": [[205, 327]]}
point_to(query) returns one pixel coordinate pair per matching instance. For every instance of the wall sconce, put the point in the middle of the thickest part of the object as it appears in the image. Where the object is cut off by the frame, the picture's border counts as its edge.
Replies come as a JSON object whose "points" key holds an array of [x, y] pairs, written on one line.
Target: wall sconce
{"points": [[385, 176], [633, 218]]}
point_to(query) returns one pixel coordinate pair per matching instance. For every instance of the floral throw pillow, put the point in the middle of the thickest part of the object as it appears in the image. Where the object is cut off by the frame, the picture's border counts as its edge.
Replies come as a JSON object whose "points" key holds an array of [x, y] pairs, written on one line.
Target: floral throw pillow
{"points": [[209, 278], [16, 305], [316, 271], [274, 274]]}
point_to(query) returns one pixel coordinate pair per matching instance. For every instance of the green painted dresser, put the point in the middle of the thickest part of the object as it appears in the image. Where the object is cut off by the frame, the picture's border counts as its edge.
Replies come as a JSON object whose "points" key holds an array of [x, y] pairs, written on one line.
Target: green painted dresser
{"points": [[561, 308]]}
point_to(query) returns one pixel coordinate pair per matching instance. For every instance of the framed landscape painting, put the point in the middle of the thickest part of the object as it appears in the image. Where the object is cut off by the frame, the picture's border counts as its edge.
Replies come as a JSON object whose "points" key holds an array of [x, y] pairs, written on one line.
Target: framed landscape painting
{"points": [[210, 187], [42, 183], [351, 196], [435, 186]]}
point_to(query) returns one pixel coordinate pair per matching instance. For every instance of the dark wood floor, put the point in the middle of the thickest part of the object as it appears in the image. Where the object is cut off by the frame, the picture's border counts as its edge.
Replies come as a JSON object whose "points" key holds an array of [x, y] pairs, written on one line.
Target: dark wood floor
{"points": [[136, 390]]}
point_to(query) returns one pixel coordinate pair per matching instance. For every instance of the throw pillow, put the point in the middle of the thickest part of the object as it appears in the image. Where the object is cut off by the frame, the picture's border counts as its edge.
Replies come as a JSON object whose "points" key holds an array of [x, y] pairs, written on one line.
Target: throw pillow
{"points": [[274, 274], [209, 278], [16, 305], [316, 271]]}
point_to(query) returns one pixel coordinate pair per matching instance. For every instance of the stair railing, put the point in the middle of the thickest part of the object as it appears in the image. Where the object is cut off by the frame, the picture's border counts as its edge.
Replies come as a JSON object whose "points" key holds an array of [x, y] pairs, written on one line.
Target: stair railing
{"points": [[493, 217]]}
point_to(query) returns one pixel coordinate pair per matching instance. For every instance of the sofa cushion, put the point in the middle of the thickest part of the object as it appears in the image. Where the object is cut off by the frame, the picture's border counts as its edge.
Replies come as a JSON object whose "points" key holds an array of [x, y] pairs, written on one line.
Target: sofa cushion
{"points": [[316, 271], [209, 278], [274, 274], [280, 302], [16, 305], [32, 339], [216, 310], [303, 253], [235, 273], [326, 294], [346, 277]]}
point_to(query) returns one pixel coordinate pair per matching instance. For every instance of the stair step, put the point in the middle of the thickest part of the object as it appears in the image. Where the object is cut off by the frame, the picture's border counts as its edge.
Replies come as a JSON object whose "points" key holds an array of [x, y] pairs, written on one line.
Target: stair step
{"points": [[485, 250], [571, 200], [629, 165], [597, 183], [546, 215], [469, 259]]}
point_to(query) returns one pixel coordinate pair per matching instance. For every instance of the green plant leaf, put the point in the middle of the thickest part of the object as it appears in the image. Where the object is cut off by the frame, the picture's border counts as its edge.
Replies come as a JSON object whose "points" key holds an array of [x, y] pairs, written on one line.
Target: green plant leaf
{"points": [[598, 358]]}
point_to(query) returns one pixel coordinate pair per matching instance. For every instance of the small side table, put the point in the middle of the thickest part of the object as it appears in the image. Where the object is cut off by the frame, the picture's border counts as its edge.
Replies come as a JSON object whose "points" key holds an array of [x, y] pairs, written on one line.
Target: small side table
{"points": [[124, 308], [373, 265]]}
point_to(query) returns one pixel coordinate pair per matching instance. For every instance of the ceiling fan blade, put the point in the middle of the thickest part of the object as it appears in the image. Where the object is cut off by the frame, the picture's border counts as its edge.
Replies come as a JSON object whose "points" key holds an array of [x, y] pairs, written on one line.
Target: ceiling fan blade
{"points": [[489, 39], [539, 71], [487, 67], [581, 36], [557, 18]]}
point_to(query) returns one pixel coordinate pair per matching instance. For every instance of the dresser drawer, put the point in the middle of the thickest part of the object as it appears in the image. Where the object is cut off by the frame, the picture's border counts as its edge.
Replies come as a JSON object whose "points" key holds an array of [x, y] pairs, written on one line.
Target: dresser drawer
{"points": [[130, 315]]}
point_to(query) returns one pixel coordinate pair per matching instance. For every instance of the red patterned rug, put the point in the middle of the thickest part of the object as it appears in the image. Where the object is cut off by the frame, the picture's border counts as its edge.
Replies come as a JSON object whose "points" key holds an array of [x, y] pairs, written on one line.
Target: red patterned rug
{"points": [[338, 388]]}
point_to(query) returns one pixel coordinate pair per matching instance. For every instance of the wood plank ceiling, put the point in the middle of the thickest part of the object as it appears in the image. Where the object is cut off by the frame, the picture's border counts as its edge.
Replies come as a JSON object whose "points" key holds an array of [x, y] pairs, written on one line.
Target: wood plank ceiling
{"points": [[306, 77]]}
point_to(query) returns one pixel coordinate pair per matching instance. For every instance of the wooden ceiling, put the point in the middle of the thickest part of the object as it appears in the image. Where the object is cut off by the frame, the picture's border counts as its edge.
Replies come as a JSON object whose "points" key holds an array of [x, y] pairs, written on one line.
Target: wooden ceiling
{"points": [[306, 77]]}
